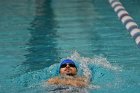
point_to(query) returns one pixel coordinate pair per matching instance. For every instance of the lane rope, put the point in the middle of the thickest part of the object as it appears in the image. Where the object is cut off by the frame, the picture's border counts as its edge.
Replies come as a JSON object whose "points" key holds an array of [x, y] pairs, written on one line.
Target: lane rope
{"points": [[127, 20]]}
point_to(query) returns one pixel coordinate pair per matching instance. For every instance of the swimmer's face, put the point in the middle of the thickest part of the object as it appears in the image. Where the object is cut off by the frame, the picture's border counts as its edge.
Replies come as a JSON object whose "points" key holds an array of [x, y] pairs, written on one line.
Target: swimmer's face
{"points": [[68, 69]]}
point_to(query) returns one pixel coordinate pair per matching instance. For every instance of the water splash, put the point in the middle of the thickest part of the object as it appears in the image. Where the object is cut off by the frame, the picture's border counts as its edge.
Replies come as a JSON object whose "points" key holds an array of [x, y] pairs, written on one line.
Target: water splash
{"points": [[95, 69], [97, 60]]}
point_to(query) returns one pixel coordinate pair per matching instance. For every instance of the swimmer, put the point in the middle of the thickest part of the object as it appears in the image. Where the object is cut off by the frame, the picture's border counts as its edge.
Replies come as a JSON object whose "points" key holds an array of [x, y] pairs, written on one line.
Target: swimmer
{"points": [[68, 75]]}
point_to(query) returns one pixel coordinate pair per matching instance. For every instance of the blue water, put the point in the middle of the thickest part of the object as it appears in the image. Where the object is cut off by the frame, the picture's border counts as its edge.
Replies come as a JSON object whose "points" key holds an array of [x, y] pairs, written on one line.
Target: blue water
{"points": [[36, 34]]}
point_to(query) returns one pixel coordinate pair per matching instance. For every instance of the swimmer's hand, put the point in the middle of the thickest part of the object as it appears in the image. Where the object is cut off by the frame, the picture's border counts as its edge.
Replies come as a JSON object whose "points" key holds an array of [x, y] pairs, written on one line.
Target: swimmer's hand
{"points": [[77, 82]]}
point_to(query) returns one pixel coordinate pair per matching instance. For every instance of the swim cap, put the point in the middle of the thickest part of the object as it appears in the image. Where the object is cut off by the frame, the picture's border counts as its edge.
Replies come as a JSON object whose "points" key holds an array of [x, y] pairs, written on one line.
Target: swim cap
{"points": [[67, 61]]}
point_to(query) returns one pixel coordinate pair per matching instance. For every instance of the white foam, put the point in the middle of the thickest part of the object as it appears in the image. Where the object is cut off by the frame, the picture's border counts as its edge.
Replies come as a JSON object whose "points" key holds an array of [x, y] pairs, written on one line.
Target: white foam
{"points": [[97, 60]]}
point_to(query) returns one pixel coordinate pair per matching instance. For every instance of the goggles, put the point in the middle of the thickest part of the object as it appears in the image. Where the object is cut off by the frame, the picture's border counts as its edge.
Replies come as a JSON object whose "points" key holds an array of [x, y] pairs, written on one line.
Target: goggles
{"points": [[64, 65]]}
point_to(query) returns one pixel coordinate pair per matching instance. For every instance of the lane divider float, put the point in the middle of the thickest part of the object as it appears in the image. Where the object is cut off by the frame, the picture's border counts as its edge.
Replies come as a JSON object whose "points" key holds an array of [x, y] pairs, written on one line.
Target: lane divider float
{"points": [[127, 20]]}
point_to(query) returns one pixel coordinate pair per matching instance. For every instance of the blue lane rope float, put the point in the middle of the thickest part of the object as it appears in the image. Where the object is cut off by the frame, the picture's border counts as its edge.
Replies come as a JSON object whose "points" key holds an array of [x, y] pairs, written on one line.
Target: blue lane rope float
{"points": [[127, 20]]}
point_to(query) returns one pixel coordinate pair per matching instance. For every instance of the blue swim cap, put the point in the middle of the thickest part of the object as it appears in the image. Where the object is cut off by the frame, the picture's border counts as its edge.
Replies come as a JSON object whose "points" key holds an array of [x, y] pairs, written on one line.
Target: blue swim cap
{"points": [[67, 61]]}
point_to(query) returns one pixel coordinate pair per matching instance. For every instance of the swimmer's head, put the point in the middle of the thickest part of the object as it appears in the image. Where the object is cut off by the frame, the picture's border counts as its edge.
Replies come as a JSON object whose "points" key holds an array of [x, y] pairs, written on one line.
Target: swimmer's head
{"points": [[68, 67]]}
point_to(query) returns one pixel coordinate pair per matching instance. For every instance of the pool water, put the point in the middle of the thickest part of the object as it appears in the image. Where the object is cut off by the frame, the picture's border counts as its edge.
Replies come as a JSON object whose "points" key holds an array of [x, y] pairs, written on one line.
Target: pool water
{"points": [[35, 35]]}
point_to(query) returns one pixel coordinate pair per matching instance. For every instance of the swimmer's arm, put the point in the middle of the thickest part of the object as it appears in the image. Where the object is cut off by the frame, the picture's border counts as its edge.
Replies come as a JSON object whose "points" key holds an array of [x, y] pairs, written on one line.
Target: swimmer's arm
{"points": [[84, 79], [55, 80], [77, 82]]}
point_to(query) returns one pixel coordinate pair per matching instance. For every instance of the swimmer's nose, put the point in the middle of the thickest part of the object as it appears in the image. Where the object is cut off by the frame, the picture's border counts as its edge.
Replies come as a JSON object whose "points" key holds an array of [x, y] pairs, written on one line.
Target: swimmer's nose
{"points": [[67, 66]]}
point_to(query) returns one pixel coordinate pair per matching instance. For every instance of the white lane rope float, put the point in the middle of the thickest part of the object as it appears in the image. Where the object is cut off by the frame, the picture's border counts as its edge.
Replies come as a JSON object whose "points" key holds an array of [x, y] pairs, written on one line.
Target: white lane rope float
{"points": [[127, 20]]}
